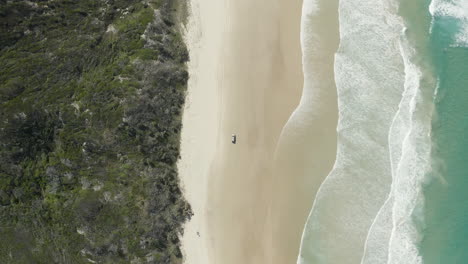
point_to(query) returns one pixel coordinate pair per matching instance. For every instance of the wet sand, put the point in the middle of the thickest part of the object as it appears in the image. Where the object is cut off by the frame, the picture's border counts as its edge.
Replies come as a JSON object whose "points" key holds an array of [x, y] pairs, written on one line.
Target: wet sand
{"points": [[306, 151], [246, 78]]}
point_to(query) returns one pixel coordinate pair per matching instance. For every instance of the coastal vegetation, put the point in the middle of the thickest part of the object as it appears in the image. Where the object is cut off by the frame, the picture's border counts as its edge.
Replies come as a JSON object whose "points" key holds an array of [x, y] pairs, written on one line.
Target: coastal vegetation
{"points": [[91, 95]]}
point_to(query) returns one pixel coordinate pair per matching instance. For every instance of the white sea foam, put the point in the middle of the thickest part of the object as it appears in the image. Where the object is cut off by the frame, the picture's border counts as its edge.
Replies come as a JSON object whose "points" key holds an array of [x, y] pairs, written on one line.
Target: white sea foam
{"points": [[309, 8], [457, 9], [378, 239], [396, 241], [454, 8], [369, 77], [310, 133], [412, 168]]}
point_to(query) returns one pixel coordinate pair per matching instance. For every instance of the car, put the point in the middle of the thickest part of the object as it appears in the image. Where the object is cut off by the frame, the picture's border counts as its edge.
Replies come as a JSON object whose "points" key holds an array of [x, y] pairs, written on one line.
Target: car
{"points": [[233, 138]]}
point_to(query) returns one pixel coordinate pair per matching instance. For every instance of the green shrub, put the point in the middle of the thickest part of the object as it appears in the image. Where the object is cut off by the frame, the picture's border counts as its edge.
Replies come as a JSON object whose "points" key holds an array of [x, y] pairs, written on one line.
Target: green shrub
{"points": [[90, 130]]}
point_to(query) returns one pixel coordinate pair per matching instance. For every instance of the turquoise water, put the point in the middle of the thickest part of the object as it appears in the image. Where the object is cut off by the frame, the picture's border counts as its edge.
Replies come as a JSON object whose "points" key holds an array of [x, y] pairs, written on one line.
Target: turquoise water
{"points": [[446, 209], [398, 193]]}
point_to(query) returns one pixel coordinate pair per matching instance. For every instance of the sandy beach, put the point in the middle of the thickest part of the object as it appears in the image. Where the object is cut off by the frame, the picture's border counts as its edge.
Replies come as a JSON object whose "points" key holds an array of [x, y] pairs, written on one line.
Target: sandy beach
{"points": [[261, 85], [246, 78], [200, 120], [310, 134]]}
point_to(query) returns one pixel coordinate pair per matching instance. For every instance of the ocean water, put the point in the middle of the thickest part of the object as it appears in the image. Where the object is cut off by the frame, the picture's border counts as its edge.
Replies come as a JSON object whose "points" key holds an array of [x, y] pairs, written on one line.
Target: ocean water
{"points": [[299, 167], [398, 191], [399, 223], [369, 75], [446, 208]]}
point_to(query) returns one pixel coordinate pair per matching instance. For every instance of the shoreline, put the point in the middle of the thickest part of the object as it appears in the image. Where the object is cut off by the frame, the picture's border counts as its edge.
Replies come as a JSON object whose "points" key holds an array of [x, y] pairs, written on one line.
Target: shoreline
{"points": [[261, 86], [310, 133], [245, 78]]}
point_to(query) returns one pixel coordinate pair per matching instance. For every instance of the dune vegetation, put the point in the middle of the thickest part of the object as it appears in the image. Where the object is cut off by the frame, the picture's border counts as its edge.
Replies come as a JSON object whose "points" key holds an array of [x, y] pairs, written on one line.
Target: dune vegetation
{"points": [[91, 96]]}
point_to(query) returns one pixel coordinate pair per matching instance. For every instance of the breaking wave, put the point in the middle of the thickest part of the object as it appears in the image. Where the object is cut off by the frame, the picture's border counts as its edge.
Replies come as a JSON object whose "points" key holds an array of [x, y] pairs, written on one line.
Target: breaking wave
{"points": [[369, 74], [400, 169]]}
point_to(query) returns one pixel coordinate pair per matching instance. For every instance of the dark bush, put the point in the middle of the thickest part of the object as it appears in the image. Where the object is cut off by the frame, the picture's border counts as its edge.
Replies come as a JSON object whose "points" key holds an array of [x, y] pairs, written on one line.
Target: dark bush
{"points": [[89, 131]]}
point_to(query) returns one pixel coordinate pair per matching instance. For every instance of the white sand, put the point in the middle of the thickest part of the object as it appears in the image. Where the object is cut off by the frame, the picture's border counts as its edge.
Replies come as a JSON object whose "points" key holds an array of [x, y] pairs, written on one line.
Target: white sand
{"points": [[200, 120], [246, 78]]}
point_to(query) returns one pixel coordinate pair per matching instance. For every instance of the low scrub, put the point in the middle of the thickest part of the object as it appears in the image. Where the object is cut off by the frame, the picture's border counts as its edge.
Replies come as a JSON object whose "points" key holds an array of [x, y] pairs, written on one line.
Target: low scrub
{"points": [[91, 94]]}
